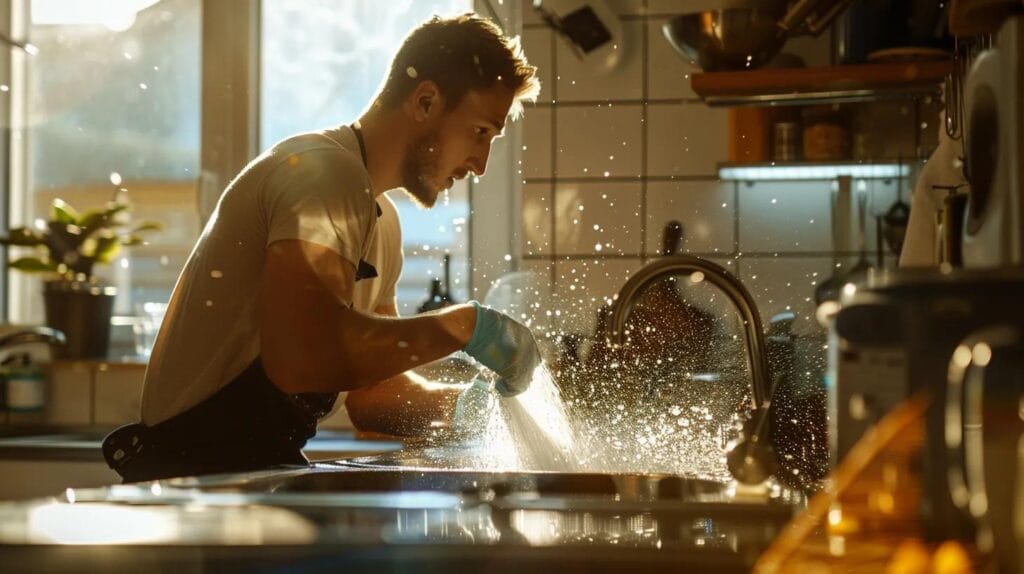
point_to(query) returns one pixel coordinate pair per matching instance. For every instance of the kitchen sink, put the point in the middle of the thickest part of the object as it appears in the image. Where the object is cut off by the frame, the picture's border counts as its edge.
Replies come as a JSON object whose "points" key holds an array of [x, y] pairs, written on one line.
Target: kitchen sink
{"points": [[348, 478]]}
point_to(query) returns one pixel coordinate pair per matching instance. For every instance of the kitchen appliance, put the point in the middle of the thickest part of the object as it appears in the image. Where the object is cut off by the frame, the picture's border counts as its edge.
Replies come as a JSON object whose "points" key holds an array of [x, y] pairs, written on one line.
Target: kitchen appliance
{"points": [[993, 233], [983, 434], [893, 336]]}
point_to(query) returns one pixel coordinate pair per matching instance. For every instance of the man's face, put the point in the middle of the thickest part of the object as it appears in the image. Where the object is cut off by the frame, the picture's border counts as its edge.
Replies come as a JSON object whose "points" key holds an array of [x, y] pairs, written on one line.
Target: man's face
{"points": [[454, 143]]}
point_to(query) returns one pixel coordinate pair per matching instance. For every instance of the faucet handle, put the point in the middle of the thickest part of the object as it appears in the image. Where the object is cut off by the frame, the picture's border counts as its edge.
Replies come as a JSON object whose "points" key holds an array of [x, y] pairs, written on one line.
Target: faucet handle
{"points": [[33, 335], [751, 459]]}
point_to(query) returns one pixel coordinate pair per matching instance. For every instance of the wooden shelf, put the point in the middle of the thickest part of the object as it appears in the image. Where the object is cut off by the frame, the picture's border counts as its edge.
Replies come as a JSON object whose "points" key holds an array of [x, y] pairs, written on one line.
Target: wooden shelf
{"points": [[861, 82]]}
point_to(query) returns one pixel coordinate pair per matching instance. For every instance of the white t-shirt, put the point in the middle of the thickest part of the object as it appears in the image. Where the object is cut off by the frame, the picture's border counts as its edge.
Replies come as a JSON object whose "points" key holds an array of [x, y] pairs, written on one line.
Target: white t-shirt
{"points": [[311, 187]]}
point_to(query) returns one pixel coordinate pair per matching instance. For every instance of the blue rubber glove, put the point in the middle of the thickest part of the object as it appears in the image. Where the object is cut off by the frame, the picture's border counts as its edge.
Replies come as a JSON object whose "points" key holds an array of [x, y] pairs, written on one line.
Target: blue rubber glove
{"points": [[505, 346]]}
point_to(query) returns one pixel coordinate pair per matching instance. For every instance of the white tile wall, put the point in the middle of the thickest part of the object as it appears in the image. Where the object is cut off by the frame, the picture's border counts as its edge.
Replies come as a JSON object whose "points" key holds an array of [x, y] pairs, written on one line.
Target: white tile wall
{"points": [[537, 44], [598, 218], [663, 7], [781, 283], [118, 395], [686, 139], [626, 7], [582, 80], [785, 216], [581, 287], [530, 16], [668, 73], [536, 219], [706, 209], [536, 146], [593, 140]]}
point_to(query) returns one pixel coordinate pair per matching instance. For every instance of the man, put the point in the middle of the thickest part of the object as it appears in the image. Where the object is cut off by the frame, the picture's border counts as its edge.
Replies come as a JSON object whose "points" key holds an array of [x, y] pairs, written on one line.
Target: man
{"points": [[288, 297]]}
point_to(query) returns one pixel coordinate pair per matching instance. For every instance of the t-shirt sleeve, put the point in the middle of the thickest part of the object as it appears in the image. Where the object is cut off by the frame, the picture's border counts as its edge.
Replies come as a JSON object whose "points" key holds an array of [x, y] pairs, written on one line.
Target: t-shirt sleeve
{"points": [[321, 196], [391, 234]]}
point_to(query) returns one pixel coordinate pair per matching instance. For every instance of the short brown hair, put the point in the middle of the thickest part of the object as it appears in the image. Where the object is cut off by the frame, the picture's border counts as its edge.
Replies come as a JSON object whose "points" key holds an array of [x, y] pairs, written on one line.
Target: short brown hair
{"points": [[461, 53]]}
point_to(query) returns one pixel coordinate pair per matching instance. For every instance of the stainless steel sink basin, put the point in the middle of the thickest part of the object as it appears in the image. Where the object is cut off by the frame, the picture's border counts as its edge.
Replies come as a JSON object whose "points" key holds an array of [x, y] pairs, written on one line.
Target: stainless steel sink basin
{"points": [[344, 478]]}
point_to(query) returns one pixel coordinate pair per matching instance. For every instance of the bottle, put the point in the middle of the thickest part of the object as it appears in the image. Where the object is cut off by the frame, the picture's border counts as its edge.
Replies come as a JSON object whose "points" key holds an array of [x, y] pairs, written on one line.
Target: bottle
{"points": [[446, 296], [435, 300], [24, 384]]}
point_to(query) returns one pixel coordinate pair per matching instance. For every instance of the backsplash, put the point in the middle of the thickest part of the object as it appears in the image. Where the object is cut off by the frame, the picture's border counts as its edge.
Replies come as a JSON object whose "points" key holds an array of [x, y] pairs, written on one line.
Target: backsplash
{"points": [[608, 160]]}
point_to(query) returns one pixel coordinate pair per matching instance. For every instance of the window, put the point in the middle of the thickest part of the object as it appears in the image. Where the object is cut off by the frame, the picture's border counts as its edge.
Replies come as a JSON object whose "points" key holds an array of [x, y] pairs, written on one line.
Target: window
{"points": [[111, 96], [322, 62]]}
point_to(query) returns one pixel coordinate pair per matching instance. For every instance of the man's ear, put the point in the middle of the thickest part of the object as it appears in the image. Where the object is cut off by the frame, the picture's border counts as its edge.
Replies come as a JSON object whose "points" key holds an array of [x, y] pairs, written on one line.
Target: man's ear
{"points": [[425, 102]]}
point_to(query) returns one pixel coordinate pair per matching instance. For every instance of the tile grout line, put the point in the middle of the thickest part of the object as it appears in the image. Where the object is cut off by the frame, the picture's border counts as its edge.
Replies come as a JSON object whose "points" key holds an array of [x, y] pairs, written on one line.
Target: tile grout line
{"points": [[644, 93], [553, 268]]}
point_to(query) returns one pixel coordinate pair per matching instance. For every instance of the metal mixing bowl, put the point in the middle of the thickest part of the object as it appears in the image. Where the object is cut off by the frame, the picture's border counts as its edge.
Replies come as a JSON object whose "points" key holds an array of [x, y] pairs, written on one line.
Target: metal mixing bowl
{"points": [[729, 39]]}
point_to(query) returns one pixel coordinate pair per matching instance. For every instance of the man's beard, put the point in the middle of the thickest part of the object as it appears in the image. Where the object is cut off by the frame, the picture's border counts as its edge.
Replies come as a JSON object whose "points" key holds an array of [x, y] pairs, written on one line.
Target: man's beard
{"points": [[419, 165]]}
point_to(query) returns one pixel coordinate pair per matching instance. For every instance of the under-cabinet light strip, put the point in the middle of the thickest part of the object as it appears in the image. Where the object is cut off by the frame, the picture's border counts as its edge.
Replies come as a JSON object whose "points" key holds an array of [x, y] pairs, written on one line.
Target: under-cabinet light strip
{"points": [[822, 171]]}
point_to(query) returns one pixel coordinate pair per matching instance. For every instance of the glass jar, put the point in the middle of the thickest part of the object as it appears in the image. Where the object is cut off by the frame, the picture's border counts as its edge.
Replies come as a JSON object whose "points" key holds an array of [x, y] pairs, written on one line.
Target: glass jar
{"points": [[826, 137]]}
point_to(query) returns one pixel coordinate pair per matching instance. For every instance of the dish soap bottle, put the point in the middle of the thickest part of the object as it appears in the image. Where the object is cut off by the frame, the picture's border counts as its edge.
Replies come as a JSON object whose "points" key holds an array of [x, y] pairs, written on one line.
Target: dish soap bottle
{"points": [[446, 297], [435, 300], [439, 297]]}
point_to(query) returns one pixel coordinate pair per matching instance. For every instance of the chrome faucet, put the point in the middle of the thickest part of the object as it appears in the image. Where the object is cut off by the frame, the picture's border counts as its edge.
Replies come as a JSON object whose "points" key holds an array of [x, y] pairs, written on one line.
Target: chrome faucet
{"points": [[752, 459], [665, 267]]}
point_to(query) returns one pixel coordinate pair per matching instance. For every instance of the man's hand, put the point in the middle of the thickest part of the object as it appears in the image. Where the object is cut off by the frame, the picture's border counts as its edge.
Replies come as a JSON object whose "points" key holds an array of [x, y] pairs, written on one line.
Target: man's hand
{"points": [[505, 346]]}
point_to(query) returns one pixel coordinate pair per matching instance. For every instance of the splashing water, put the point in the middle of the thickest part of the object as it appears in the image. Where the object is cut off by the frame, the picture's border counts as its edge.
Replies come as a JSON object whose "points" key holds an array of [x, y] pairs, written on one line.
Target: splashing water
{"points": [[529, 431], [539, 431]]}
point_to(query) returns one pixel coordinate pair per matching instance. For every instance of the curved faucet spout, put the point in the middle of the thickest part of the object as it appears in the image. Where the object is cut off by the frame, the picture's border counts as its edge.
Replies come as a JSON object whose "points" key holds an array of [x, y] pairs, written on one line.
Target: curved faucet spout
{"points": [[665, 267]]}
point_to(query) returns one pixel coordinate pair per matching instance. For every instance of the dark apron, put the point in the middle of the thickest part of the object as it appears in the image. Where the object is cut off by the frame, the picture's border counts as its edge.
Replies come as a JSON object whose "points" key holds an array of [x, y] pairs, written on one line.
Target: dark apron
{"points": [[249, 424]]}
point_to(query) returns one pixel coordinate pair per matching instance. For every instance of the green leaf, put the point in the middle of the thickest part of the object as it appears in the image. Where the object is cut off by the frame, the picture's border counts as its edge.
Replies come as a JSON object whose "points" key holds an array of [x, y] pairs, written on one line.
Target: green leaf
{"points": [[107, 247], [147, 226], [33, 265], [62, 212], [98, 219], [130, 240], [23, 236]]}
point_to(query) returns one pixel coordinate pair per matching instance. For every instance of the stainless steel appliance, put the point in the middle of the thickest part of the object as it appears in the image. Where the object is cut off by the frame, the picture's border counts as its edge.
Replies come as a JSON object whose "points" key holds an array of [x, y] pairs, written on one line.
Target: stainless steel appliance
{"points": [[894, 336], [983, 437], [993, 232]]}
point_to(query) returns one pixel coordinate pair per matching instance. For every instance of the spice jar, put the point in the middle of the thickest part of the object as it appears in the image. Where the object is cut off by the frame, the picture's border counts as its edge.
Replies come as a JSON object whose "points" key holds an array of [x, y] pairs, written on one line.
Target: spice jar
{"points": [[786, 143], [826, 137]]}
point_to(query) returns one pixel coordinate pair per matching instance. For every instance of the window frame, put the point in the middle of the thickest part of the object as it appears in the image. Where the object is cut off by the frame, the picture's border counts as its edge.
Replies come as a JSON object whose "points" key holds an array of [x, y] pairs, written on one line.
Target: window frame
{"points": [[229, 139]]}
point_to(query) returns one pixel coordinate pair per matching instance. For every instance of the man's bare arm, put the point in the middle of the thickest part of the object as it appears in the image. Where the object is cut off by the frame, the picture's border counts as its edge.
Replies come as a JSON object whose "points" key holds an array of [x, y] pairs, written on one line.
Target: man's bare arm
{"points": [[312, 341], [406, 404]]}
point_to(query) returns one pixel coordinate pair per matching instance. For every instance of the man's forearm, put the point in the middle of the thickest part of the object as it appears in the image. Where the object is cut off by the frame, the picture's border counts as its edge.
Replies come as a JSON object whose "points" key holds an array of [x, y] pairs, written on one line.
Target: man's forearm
{"points": [[405, 404], [377, 348], [346, 349]]}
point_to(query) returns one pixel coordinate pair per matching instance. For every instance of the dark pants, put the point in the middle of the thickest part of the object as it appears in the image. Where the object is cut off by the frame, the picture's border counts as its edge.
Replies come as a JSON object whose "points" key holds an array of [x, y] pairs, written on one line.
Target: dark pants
{"points": [[249, 424]]}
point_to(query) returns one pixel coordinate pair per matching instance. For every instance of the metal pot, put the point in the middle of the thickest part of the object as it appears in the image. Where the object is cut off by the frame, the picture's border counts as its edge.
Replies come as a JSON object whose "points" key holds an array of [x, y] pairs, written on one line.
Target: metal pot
{"points": [[747, 37]]}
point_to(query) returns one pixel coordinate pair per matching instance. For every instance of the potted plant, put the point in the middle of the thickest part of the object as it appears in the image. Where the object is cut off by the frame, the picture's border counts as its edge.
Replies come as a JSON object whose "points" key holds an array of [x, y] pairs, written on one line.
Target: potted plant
{"points": [[68, 246]]}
